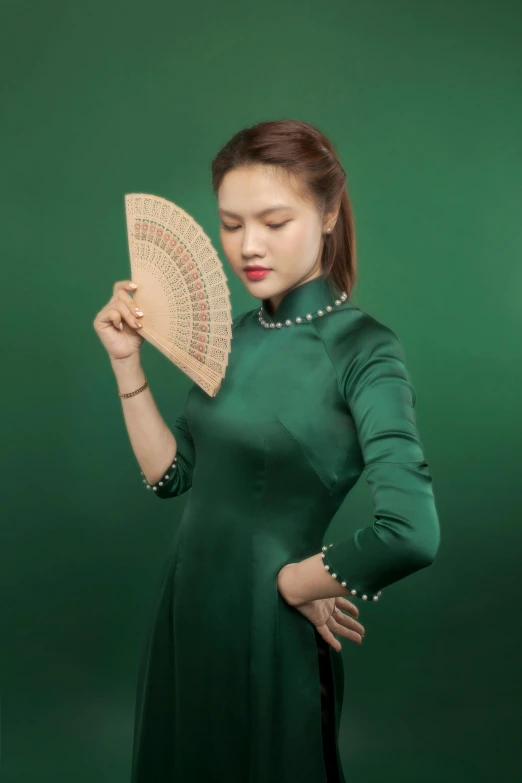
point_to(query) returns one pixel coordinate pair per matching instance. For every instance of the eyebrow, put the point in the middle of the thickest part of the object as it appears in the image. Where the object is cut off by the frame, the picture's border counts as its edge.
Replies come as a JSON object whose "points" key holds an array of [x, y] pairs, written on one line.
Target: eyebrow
{"points": [[259, 214]]}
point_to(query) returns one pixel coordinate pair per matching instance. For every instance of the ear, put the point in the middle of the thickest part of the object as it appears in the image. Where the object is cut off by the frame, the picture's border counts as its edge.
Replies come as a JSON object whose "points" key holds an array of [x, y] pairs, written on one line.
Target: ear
{"points": [[330, 218]]}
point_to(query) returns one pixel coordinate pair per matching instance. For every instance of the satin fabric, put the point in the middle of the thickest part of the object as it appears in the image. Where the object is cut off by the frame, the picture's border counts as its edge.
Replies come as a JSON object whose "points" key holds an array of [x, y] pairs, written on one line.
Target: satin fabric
{"points": [[234, 684]]}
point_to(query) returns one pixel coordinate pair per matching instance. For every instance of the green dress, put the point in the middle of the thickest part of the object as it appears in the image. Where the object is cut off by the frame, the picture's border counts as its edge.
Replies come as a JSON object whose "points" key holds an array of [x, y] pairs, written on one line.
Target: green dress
{"points": [[235, 685]]}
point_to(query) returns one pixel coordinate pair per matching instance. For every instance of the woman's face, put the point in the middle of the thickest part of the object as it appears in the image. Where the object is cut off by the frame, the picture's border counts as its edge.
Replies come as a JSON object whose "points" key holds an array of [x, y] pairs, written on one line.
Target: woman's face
{"points": [[264, 223]]}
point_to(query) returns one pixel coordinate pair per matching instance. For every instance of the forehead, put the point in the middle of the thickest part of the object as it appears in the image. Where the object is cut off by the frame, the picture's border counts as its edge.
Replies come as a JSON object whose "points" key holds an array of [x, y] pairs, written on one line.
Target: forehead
{"points": [[250, 190]]}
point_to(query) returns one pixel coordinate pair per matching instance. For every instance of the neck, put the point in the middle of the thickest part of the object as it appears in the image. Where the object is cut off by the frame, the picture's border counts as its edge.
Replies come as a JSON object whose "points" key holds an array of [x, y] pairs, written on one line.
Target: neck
{"points": [[314, 294], [271, 304]]}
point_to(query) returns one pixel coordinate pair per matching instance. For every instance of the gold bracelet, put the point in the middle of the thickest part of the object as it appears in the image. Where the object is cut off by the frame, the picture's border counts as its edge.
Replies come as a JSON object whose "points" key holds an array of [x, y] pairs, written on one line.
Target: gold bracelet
{"points": [[131, 394]]}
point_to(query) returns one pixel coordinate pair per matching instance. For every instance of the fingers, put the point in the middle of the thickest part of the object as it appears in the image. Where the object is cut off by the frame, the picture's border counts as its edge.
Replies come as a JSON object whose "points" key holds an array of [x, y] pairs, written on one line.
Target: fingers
{"points": [[124, 296], [344, 603], [341, 617], [345, 626], [119, 313], [328, 636], [119, 310], [120, 294], [123, 285]]}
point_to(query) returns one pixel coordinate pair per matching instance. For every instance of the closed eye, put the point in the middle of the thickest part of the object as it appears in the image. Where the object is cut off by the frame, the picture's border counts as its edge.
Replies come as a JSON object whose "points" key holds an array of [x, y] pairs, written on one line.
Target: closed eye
{"points": [[270, 225]]}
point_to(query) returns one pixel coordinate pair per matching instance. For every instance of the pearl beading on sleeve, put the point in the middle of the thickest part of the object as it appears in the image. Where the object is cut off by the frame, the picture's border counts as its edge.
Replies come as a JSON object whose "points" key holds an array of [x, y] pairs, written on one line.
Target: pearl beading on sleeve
{"points": [[154, 487], [343, 583]]}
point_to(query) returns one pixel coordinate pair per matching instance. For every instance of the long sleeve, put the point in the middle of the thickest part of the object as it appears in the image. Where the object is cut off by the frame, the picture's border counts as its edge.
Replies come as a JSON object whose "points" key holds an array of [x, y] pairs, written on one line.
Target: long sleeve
{"points": [[177, 476], [405, 533]]}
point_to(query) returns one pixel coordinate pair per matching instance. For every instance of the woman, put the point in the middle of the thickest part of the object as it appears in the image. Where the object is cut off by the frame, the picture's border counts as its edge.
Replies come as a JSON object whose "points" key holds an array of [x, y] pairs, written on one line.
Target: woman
{"points": [[241, 680]]}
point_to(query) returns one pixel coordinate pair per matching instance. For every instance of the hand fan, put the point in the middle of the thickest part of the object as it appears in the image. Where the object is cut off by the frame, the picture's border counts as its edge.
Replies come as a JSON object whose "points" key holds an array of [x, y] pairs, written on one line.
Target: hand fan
{"points": [[182, 288]]}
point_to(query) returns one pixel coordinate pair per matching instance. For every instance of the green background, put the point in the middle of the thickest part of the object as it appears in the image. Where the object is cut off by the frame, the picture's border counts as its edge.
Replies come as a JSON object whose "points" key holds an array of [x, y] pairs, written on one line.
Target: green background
{"points": [[422, 101]]}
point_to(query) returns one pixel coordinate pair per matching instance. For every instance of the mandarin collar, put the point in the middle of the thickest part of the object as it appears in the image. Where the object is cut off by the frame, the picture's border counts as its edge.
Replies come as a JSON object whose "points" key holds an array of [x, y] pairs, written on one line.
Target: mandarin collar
{"points": [[306, 298]]}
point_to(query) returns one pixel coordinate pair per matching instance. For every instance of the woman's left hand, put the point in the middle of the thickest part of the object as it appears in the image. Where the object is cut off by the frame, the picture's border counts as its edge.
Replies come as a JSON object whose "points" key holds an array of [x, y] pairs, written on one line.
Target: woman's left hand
{"points": [[326, 615]]}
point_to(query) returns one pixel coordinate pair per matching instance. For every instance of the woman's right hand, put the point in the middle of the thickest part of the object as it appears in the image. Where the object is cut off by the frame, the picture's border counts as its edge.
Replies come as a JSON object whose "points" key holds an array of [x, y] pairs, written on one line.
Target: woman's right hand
{"points": [[117, 324]]}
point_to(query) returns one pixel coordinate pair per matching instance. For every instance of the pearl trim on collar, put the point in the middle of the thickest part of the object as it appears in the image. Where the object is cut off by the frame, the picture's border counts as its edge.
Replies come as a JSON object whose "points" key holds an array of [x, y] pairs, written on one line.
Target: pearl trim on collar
{"points": [[301, 319]]}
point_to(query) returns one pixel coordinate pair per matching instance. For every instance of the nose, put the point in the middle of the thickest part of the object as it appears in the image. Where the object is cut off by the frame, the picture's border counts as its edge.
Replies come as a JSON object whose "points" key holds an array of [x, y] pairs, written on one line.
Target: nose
{"points": [[251, 244]]}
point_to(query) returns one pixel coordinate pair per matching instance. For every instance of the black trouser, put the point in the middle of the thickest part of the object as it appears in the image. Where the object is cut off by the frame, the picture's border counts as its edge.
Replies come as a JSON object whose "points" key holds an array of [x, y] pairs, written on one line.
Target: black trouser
{"points": [[327, 709]]}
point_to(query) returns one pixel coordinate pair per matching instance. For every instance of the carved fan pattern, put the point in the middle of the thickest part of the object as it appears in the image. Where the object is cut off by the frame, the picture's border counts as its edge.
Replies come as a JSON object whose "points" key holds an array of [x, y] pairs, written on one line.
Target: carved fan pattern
{"points": [[182, 288]]}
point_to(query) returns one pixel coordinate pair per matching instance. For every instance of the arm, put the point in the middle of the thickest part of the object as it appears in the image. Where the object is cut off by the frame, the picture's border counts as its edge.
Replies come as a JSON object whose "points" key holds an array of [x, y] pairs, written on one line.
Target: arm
{"points": [[160, 452], [405, 535]]}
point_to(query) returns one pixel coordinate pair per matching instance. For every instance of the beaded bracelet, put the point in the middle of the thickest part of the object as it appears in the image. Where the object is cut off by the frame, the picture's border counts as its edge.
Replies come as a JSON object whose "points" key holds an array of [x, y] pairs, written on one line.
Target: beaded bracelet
{"points": [[160, 483], [335, 576]]}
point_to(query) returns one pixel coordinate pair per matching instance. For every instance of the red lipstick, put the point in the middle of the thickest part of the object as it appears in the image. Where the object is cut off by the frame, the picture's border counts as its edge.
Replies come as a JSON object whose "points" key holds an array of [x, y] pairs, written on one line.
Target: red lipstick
{"points": [[256, 272]]}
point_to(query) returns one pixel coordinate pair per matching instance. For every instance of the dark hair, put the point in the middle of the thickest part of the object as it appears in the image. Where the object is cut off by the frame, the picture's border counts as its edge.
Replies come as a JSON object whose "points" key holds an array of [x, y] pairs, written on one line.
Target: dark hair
{"points": [[305, 153]]}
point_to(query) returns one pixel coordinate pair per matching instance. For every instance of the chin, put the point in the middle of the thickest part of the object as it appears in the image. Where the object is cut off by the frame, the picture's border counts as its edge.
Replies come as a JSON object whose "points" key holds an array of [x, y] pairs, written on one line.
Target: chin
{"points": [[260, 288]]}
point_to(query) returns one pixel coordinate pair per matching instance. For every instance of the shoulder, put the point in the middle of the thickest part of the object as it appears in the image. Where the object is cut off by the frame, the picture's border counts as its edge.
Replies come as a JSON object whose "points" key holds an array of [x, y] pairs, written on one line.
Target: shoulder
{"points": [[359, 345], [356, 333]]}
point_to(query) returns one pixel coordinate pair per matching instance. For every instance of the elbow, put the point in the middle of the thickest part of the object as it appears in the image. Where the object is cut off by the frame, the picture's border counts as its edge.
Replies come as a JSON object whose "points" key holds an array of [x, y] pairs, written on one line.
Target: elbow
{"points": [[174, 491], [176, 482], [424, 556], [425, 547], [181, 482]]}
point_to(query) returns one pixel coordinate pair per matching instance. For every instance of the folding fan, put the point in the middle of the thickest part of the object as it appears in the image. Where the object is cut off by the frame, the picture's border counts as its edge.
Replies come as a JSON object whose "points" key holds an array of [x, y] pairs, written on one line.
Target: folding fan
{"points": [[182, 288]]}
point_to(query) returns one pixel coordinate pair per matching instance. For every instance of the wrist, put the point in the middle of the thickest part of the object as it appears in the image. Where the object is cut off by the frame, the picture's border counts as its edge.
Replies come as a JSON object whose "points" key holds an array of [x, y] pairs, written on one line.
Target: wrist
{"points": [[132, 361], [308, 581], [286, 583], [129, 374]]}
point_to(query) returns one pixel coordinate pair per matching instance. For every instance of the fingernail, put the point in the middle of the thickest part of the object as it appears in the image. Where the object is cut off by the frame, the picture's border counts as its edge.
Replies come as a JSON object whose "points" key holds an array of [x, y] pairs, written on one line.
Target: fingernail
{"points": [[132, 285], [121, 324], [138, 312]]}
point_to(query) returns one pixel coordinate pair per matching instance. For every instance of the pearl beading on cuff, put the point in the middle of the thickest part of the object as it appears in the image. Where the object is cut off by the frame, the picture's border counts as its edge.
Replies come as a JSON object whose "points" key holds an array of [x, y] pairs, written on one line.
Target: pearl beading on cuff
{"points": [[154, 487], [335, 576]]}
